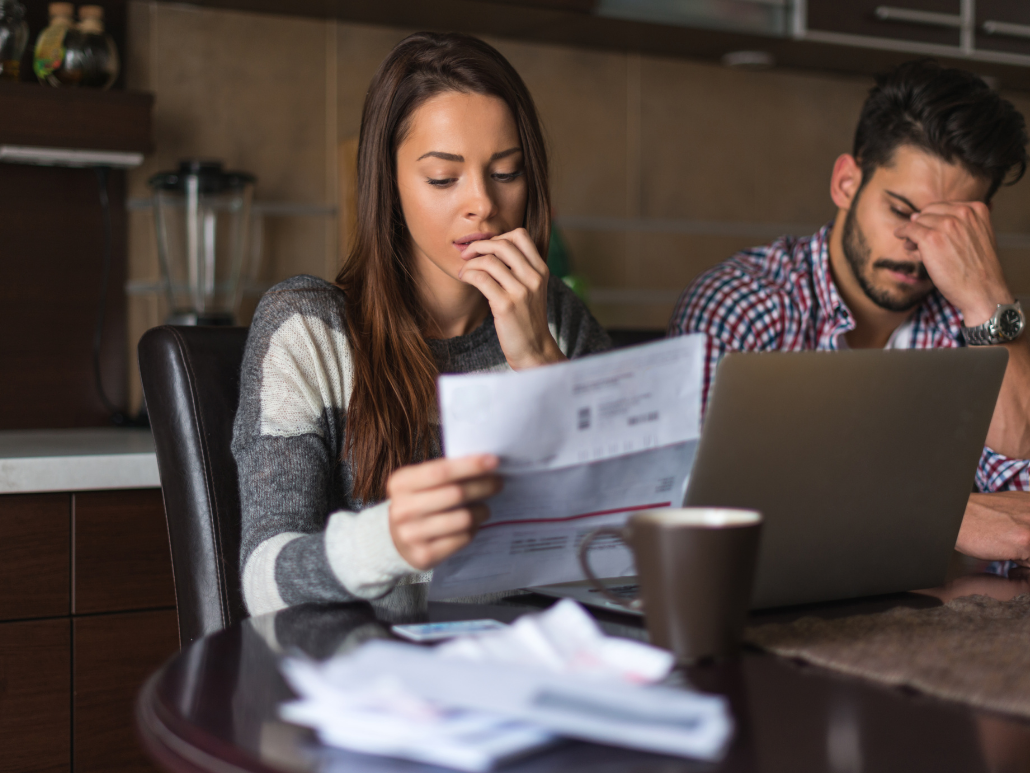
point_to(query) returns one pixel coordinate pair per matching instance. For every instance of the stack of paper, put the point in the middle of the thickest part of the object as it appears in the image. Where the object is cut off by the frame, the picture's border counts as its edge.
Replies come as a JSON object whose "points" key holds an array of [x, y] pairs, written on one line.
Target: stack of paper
{"points": [[475, 703]]}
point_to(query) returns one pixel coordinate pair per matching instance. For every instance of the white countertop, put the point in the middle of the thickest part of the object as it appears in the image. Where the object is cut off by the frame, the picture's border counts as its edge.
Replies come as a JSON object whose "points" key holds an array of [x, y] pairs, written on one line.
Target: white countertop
{"points": [[33, 461]]}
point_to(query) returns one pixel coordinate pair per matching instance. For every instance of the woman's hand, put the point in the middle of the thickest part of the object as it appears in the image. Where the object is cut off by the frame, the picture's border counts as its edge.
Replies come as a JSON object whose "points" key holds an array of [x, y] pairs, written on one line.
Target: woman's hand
{"points": [[436, 507], [512, 276]]}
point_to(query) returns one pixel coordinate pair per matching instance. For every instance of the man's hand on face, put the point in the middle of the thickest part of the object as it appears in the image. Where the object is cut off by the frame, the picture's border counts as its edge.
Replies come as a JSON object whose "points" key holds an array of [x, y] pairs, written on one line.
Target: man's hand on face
{"points": [[955, 241]]}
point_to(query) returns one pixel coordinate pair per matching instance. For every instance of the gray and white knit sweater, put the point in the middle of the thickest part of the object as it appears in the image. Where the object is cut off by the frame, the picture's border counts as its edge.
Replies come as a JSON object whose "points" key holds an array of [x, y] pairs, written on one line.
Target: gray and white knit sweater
{"points": [[305, 537]]}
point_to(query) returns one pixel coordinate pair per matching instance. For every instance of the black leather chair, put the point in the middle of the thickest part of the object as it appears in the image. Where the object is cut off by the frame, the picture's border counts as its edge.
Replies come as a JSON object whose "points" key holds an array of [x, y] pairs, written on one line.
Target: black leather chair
{"points": [[191, 380]]}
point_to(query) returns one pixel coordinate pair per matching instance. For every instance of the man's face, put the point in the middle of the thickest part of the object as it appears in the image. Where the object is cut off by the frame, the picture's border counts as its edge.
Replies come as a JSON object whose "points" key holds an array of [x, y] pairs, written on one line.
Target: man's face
{"points": [[888, 269]]}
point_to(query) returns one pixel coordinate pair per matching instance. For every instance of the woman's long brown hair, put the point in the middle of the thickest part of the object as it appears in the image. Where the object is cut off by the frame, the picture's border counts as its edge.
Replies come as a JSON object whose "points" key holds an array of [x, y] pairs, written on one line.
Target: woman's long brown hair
{"points": [[391, 415]]}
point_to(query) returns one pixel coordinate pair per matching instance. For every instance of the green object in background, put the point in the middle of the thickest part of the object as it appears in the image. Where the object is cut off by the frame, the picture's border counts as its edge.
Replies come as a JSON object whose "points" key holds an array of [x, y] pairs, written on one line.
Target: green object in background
{"points": [[560, 265], [557, 254], [578, 285]]}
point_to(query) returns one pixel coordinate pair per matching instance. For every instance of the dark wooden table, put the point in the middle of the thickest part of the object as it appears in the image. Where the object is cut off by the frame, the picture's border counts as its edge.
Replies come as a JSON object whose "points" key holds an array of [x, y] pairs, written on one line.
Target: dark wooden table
{"points": [[212, 708]]}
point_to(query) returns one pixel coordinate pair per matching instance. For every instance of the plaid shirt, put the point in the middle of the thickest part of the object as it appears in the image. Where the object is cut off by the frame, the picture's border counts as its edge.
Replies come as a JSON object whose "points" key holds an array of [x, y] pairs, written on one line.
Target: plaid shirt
{"points": [[782, 297]]}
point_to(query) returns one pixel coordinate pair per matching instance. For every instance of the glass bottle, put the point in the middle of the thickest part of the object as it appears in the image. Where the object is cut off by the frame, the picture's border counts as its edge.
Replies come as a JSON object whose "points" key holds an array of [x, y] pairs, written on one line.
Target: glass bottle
{"points": [[14, 36], [48, 61], [97, 54]]}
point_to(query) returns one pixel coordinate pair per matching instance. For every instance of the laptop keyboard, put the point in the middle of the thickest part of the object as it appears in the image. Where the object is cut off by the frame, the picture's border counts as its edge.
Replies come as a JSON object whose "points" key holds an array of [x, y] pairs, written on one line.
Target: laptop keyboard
{"points": [[628, 592]]}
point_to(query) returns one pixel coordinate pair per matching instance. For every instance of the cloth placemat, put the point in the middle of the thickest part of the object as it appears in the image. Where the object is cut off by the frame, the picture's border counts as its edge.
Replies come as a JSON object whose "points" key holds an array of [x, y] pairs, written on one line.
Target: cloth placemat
{"points": [[973, 649]]}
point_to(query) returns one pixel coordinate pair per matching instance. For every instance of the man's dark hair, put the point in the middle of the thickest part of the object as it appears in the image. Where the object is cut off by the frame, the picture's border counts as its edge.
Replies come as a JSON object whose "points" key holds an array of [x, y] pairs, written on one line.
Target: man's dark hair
{"points": [[948, 112]]}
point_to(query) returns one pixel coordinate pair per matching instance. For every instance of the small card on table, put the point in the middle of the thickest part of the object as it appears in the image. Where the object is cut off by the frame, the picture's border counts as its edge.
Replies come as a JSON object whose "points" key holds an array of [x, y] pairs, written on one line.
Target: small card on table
{"points": [[423, 632]]}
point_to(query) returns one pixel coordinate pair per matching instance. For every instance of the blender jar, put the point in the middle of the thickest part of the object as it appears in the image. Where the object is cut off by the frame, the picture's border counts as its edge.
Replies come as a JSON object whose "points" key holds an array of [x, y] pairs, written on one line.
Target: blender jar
{"points": [[201, 216]]}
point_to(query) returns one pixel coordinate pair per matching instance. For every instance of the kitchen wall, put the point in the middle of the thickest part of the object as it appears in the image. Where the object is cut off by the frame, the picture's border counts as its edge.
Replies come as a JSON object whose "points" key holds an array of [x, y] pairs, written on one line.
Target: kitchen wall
{"points": [[662, 167]]}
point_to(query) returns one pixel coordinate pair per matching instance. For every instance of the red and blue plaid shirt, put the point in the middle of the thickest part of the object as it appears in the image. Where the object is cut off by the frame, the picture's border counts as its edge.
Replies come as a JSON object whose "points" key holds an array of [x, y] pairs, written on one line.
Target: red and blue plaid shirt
{"points": [[781, 297]]}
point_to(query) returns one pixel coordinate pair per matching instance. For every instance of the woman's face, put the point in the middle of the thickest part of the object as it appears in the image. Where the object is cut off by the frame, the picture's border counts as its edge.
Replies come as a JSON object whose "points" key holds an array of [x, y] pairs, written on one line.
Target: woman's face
{"points": [[460, 177]]}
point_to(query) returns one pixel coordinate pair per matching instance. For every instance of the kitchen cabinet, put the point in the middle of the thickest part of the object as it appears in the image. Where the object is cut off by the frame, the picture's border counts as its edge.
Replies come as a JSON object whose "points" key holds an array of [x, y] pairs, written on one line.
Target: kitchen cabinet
{"points": [[53, 254], [1003, 25], [113, 656], [978, 28], [92, 573], [35, 555], [846, 36], [120, 535], [922, 21], [35, 687]]}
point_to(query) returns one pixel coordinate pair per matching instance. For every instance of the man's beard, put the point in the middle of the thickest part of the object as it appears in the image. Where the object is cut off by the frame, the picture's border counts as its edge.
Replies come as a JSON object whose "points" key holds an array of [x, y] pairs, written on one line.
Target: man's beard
{"points": [[857, 252]]}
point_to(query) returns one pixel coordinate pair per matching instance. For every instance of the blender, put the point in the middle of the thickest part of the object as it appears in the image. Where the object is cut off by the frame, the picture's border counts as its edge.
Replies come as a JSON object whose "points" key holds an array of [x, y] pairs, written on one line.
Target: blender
{"points": [[202, 220]]}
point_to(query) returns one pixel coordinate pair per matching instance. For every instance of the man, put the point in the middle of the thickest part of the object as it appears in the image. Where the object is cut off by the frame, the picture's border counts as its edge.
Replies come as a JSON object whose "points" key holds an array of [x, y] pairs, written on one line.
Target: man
{"points": [[908, 262]]}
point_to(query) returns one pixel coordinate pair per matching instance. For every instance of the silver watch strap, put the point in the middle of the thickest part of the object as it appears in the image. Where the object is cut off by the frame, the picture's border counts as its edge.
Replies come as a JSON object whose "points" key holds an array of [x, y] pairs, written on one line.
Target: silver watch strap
{"points": [[981, 335], [990, 332]]}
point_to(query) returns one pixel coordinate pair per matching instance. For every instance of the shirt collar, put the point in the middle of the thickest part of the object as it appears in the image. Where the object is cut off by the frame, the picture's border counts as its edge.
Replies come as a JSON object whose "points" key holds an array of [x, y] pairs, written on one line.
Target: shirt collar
{"points": [[832, 310], [935, 313]]}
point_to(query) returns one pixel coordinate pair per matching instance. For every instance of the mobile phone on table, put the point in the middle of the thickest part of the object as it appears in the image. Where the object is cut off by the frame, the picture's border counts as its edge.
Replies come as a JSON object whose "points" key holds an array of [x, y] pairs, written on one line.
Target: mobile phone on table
{"points": [[423, 632]]}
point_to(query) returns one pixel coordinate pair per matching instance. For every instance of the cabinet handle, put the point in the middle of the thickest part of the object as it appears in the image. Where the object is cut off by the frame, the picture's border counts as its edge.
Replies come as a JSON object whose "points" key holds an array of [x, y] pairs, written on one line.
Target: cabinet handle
{"points": [[890, 13], [1007, 28]]}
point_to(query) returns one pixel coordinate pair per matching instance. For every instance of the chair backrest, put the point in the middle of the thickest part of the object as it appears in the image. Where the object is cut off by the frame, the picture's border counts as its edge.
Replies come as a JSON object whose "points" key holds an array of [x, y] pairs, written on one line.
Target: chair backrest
{"points": [[191, 381]]}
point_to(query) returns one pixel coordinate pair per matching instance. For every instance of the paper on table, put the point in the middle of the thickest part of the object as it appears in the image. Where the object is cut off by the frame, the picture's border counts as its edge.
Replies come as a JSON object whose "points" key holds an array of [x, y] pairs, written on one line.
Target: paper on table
{"points": [[653, 718], [479, 701], [379, 715], [582, 444], [565, 639]]}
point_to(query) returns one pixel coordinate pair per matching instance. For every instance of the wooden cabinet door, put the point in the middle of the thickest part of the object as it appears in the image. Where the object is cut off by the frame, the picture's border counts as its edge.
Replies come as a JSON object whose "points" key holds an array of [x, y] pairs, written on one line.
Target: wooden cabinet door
{"points": [[114, 655], [34, 555], [52, 246], [858, 17], [122, 560], [35, 696], [1003, 25]]}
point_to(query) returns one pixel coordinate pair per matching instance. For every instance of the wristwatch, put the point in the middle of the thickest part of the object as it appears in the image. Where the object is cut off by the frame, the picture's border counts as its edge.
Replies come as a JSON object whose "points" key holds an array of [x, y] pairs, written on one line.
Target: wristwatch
{"points": [[1006, 325]]}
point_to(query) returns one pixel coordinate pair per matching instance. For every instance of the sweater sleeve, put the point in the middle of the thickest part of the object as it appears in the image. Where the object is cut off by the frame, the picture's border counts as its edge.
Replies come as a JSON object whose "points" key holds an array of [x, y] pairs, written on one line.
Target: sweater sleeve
{"points": [[571, 323], [298, 544]]}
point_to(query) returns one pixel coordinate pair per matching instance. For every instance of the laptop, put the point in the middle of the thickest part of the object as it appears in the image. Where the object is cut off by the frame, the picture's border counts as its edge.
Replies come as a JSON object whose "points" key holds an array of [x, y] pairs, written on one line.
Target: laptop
{"points": [[860, 461]]}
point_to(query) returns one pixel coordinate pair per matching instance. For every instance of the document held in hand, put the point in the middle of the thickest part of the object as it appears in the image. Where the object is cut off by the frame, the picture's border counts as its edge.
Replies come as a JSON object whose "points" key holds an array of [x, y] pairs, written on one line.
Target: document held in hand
{"points": [[582, 444]]}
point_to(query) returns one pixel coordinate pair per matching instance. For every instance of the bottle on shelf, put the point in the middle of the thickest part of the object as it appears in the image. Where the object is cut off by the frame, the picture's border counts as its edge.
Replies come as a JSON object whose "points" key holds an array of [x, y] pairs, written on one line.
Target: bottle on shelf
{"points": [[69, 54], [99, 55], [48, 61], [14, 36]]}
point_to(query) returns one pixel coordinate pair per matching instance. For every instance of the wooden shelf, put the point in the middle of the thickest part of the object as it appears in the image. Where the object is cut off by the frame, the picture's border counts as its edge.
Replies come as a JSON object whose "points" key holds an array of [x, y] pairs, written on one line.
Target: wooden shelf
{"points": [[88, 119]]}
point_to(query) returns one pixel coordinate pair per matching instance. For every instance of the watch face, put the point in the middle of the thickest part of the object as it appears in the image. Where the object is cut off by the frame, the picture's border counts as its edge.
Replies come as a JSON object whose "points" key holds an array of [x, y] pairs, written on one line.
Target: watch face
{"points": [[1010, 323]]}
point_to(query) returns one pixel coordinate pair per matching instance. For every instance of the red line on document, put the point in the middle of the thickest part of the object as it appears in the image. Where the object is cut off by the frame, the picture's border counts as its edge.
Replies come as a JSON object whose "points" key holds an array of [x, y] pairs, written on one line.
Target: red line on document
{"points": [[577, 517]]}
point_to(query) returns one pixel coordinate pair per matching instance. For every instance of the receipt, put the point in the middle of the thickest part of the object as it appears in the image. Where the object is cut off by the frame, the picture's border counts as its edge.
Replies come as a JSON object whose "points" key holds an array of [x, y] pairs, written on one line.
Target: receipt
{"points": [[582, 444]]}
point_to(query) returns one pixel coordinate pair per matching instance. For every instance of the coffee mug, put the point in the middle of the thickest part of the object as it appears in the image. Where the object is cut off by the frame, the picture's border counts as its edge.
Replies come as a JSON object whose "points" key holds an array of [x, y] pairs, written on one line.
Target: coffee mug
{"points": [[696, 567]]}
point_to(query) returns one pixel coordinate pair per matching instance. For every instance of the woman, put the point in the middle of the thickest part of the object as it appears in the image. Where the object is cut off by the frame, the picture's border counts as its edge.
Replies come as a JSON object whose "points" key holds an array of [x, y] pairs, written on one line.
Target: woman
{"points": [[337, 433]]}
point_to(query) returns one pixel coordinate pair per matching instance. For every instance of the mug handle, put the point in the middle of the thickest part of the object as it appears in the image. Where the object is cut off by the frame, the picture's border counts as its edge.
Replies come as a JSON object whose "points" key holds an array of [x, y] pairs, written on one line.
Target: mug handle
{"points": [[584, 562]]}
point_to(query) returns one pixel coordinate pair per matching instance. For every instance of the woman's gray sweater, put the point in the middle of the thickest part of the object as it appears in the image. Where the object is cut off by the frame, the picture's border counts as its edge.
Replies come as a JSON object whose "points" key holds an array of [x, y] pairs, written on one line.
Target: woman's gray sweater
{"points": [[304, 536]]}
